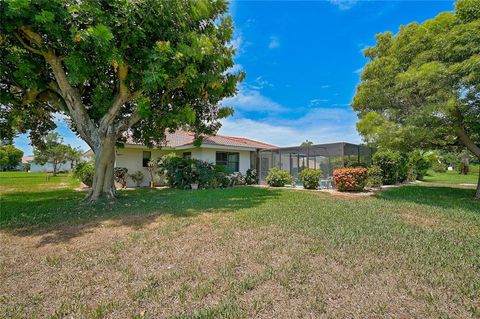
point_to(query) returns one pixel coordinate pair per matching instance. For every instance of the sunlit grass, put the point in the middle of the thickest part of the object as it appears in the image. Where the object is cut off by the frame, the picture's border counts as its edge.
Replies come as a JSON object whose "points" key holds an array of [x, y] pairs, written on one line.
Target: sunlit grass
{"points": [[246, 252]]}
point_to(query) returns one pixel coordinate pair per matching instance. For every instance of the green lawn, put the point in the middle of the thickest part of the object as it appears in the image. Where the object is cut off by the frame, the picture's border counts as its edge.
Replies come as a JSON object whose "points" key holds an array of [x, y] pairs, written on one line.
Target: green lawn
{"points": [[453, 177], [243, 252]]}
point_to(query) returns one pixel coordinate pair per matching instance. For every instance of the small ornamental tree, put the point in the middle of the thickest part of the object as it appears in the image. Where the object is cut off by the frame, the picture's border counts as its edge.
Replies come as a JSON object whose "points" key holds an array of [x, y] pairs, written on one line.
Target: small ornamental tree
{"points": [[114, 68], [53, 151]]}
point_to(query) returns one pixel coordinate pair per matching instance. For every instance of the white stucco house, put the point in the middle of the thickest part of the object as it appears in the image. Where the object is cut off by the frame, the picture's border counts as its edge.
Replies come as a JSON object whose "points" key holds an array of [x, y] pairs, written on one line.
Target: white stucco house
{"points": [[238, 153], [29, 161]]}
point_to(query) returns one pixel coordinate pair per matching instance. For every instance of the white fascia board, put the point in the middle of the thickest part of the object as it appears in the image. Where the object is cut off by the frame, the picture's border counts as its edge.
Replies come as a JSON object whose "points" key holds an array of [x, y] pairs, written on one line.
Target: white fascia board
{"points": [[146, 148], [221, 147]]}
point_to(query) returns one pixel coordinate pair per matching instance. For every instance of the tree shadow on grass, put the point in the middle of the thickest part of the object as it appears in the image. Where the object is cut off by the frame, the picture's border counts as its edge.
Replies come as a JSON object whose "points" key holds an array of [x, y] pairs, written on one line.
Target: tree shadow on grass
{"points": [[60, 215], [435, 196]]}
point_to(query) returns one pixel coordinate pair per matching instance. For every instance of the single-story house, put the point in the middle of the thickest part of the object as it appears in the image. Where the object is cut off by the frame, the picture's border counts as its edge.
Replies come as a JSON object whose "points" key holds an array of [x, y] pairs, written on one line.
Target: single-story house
{"points": [[28, 163], [237, 153], [241, 154]]}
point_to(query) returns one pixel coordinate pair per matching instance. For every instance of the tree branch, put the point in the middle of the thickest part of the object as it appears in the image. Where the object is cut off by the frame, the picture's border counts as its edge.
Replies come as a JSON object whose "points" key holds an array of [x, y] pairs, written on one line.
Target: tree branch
{"points": [[127, 123], [85, 125], [26, 46], [120, 98], [463, 136]]}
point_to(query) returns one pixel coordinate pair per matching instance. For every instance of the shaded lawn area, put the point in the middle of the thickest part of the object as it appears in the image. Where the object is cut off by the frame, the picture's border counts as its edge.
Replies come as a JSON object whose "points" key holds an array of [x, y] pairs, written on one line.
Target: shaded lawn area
{"points": [[241, 252]]}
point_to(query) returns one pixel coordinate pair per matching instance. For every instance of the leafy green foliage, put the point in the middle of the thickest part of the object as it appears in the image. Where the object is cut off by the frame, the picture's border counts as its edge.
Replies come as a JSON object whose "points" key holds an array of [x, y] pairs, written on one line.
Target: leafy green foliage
{"points": [[279, 177], [137, 177], [310, 178], [182, 172], [421, 87], [418, 164], [172, 57], [84, 171], [374, 176], [391, 165], [252, 177], [10, 156], [438, 167]]}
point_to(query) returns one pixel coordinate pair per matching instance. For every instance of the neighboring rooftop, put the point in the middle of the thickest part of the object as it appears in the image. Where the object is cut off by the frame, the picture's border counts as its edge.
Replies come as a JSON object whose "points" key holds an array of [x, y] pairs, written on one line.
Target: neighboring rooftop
{"points": [[27, 159], [182, 138]]}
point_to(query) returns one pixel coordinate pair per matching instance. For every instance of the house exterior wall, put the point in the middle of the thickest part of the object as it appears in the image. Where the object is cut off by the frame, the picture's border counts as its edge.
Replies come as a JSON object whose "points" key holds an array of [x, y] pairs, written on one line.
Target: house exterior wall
{"points": [[209, 155], [48, 168], [131, 158]]}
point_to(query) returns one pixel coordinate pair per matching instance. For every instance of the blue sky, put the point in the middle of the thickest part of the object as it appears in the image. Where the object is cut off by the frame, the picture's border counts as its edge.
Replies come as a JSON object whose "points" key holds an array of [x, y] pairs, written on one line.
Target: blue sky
{"points": [[303, 60]]}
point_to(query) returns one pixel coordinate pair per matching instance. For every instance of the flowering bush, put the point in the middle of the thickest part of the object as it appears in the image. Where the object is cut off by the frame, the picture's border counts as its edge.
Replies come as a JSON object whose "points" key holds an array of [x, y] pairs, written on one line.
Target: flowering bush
{"points": [[310, 178], [252, 177], [350, 179]]}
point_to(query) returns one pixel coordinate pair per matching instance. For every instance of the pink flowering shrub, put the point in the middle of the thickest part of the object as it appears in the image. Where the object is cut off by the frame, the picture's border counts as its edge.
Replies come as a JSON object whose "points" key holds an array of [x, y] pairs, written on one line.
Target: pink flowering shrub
{"points": [[350, 179]]}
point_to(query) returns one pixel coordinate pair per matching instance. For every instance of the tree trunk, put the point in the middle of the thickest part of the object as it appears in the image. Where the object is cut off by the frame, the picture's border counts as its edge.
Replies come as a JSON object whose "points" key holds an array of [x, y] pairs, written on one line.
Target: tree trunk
{"points": [[103, 184], [54, 168]]}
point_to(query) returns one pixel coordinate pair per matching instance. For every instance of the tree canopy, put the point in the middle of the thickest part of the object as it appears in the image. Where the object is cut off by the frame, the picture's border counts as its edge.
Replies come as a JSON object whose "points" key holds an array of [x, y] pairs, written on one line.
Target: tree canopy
{"points": [[114, 66], [421, 87], [10, 156]]}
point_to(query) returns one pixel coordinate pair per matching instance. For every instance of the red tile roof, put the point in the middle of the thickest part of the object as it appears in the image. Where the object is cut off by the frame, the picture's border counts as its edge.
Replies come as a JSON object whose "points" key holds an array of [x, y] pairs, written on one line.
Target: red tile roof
{"points": [[183, 138]]}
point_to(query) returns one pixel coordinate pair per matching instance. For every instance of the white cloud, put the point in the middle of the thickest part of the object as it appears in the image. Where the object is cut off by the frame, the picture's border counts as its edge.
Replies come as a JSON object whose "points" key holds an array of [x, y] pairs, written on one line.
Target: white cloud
{"points": [[237, 43], [325, 86], [343, 4], [274, 42], [260, 83], [321, 125], [251, 100], [317, 101], [358, 71], [235, 68]]}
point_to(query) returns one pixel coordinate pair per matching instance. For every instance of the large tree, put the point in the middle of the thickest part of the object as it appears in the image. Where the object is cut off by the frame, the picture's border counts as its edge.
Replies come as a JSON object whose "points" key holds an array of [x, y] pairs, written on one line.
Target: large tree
{"points": [[114, 67], [421, 87]]}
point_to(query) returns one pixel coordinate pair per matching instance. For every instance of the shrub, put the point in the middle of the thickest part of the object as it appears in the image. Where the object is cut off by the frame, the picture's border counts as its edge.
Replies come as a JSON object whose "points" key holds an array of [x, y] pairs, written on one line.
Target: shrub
{"points": [[438, 167], [374, 176], [84, 172], [392, 166], [310, 178], [412, 173], [418, 165], [353, 163], [278, 177], [236, 179], [181, 173], [251, 177], [121, 175], [350, 179], [137, 178]]}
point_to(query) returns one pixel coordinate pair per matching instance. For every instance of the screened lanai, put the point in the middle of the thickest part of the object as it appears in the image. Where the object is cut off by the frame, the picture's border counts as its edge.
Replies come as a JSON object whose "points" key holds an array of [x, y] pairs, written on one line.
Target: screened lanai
{"points": [[326, 157]]}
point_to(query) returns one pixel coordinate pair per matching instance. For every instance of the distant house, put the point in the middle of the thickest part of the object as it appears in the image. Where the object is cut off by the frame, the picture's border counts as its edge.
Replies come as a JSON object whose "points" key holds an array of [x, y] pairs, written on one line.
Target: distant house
{"points": [[28, 163]]}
